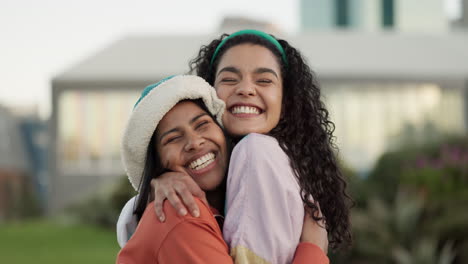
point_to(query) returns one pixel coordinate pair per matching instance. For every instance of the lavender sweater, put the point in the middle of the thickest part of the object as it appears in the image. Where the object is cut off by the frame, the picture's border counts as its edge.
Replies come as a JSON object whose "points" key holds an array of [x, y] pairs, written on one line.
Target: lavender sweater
{"points": [[265, 212]]}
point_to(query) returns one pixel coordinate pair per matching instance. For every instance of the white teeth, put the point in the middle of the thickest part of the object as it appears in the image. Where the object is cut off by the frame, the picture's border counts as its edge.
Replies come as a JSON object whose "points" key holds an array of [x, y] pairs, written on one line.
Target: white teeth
{"points": [[245, 110], [202, 162]]}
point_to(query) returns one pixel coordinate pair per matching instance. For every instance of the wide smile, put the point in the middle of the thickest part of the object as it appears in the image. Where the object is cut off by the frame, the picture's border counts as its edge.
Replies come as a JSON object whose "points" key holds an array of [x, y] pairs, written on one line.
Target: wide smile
{"points": [[245, 110], [202, 164]]}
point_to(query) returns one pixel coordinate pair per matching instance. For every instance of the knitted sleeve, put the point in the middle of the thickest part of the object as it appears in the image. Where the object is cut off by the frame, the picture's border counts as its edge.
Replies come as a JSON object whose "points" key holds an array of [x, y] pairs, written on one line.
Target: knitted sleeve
{"points": [[264, 209], [127, 222]]}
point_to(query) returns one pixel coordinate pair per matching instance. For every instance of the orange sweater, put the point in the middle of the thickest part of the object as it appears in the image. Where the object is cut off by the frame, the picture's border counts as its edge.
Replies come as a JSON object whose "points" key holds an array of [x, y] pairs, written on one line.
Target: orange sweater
{"points": [[186, 239]]}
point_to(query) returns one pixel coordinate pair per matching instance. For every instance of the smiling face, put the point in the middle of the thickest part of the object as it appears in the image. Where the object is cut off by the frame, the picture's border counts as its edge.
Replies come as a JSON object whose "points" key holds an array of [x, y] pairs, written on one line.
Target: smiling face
{"points": [[188, 140], [248, 79]]}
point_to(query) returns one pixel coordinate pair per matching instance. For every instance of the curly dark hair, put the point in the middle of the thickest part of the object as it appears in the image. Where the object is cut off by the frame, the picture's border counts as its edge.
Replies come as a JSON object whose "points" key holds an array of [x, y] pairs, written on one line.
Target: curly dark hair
{"points": [[304, 132]]}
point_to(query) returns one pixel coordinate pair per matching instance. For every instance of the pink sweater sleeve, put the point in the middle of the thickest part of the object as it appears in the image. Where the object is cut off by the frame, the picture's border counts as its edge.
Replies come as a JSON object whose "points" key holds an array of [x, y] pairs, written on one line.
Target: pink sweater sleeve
{"points": [[264, 209]]}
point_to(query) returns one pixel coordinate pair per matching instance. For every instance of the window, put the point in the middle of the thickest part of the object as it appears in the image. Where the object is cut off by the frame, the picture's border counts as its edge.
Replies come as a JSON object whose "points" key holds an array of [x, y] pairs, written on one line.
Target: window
{"points": [[388, 15]]}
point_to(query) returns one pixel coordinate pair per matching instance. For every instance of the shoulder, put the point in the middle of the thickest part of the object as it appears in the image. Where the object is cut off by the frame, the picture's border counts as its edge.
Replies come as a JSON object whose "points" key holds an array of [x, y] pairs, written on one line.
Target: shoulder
{"points": [[259, 145], [153, 239], [257, 158], [174, 217], [254, 139], [149, 224]]}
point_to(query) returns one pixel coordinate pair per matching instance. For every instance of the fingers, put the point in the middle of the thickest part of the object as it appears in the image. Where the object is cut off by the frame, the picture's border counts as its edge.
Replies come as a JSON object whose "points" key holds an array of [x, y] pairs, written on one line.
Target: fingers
{"points": [[194, 189], [158, 207], [174, 200], [159, 198], [178, 188], [314, 231], [317, 214], [160, 194], [187, 198]]}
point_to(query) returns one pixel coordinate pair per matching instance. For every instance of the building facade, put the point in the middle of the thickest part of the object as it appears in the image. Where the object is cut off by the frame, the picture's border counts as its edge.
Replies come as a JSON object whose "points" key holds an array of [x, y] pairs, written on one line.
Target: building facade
{"points": [[374, 15], [383, 91], [23, 171]]}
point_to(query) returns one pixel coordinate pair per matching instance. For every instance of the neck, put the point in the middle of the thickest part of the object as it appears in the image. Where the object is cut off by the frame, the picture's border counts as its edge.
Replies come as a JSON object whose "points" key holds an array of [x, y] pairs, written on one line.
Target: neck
{"points": [[216, 199]]}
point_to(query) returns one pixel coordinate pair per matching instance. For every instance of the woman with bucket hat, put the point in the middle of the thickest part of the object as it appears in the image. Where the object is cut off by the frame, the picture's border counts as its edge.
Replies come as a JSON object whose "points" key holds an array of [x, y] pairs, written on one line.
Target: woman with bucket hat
{"points": [[174, 127]]}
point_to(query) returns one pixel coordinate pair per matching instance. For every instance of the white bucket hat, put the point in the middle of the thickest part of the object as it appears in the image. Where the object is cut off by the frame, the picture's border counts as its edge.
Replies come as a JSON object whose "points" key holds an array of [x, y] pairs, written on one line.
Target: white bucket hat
{"points": [[155, 101]]}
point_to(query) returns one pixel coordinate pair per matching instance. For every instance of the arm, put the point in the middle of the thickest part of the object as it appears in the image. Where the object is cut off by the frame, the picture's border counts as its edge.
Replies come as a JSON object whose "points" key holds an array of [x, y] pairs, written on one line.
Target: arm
{"points": [[264, 209], [314, 241], [127, 222]]}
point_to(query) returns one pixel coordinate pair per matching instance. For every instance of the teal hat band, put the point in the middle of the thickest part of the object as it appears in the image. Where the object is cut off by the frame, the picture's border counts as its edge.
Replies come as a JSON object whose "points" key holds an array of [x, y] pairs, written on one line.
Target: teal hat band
{"points": [[259, 33], [151, 87]]}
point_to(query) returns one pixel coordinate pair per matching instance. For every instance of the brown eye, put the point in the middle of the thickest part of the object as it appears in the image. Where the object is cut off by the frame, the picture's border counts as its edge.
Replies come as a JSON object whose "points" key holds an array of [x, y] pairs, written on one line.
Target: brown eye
{"points": [[171, 139], [228, 80], [265, 81], [202, 124]]}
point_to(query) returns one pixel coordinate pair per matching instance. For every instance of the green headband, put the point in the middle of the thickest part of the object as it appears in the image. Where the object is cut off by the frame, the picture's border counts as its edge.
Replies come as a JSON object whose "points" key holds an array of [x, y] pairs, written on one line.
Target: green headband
{"points": [[259, 33]]}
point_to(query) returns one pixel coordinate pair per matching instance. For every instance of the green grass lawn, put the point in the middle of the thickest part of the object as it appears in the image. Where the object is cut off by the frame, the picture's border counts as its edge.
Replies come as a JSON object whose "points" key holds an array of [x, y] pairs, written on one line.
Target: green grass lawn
{"points": [[46, 242]]}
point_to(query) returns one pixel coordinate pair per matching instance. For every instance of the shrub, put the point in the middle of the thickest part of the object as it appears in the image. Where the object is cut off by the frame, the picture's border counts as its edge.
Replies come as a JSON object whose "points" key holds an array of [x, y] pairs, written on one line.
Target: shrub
{"points": [[103, 209], [437, 175]]}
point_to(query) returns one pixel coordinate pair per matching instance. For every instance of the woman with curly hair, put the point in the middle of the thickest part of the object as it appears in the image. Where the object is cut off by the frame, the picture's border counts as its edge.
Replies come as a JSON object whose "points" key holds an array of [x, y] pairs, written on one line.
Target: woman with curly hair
{"points": [[287, 164], [174, 126]]}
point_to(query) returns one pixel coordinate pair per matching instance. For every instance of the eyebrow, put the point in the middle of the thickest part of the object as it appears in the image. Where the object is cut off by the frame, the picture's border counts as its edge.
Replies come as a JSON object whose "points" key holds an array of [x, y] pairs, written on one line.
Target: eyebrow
{"points": [[197, 117], [177, 129], [263, 70], [237, 71], [229, 69]]}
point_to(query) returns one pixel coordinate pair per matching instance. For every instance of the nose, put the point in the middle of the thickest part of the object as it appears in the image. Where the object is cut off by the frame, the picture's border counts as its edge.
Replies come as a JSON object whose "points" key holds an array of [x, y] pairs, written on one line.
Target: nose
{"points": [[194, 141], [246, 88]]}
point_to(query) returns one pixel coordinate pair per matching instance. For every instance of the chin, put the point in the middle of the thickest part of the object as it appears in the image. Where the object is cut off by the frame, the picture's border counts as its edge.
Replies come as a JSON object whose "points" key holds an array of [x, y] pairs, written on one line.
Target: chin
{"points": [[208, 187], [239, 132]]}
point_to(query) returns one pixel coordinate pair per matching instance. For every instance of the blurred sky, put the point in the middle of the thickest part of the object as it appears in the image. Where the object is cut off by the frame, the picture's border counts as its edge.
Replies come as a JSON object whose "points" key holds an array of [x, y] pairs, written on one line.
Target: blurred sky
{"points": [[41, 39]]}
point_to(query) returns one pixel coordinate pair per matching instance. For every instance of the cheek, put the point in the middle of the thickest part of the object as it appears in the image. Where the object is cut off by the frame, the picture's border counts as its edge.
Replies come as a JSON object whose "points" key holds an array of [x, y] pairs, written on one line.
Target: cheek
{"points": [[220, 140], [164, 160], [279, 104], [229, 124], [168, 157], [222, 93], [274, 101]]}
